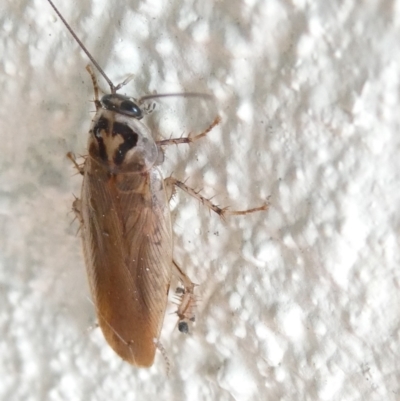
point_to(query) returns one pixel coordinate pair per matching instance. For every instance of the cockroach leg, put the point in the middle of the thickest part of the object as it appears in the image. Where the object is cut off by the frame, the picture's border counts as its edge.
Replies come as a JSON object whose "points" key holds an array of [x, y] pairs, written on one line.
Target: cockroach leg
{"points": [[187, 303], [77, 209], [149, 108], [190, 139], [125, 81], [187, 283], [171, 182], [95, 87], [164, 354], [222, 212], [72, 157]]}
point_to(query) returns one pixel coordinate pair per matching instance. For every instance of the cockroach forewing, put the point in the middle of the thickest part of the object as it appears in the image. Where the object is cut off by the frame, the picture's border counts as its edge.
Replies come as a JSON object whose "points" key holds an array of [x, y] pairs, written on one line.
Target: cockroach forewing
{"points": [[127, 240]]}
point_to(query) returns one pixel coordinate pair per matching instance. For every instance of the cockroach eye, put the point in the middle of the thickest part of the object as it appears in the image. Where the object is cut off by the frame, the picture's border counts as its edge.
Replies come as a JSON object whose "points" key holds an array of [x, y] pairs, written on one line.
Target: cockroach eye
{"points": [[130, 108]]}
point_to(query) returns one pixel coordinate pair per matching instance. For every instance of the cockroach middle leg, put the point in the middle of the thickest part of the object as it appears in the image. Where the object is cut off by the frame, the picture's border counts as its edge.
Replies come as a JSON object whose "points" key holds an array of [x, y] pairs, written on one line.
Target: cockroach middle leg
{"points": [[222, 212], [185, 311], [171, 182], [190, 139]]}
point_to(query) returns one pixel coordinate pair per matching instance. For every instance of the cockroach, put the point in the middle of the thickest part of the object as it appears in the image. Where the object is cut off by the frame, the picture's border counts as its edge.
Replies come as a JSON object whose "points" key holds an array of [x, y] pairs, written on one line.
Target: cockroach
{"points": [[125, 223]]}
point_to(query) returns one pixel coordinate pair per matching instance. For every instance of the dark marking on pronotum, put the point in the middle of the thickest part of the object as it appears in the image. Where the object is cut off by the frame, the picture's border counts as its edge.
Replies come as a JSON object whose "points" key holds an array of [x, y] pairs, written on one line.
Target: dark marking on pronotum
{"points": [[130, 138], [130, 141], [101, 125]]}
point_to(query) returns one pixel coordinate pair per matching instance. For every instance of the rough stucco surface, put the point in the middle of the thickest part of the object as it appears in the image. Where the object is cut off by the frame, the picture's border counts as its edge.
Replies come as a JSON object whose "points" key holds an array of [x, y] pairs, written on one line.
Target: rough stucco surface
{"points": [[299, 303]]}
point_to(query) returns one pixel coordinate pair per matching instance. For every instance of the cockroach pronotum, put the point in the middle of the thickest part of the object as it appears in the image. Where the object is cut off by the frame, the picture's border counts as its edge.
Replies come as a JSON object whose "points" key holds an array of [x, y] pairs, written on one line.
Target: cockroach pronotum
{"points": [[125, 223]]}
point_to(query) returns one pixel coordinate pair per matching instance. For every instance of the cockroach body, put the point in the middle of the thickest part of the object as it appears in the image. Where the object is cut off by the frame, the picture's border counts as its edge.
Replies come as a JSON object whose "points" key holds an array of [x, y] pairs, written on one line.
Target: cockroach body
{"points": [[126, 226]]}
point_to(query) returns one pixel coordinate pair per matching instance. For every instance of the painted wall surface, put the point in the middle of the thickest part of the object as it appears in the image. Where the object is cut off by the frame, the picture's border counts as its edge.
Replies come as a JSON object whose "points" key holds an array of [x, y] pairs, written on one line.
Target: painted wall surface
{"points": [[298, 303]]}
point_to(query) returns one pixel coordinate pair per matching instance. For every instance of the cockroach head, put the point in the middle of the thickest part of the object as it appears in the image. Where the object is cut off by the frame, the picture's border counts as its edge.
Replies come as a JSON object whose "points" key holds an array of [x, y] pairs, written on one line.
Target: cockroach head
{"points": [[122, 104]]}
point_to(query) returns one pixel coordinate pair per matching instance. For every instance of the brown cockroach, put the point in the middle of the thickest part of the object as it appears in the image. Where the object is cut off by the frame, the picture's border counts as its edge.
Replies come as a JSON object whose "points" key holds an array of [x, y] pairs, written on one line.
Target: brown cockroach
{"points": [[125, 224]]}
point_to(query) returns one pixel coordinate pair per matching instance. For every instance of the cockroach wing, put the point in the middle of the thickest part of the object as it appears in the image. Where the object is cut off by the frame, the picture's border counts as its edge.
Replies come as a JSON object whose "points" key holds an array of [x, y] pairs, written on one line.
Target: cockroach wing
{"points": [[127, 240]]}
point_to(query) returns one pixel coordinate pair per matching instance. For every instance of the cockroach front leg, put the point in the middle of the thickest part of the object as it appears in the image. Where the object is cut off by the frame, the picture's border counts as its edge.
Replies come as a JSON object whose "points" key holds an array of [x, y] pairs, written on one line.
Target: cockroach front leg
{"points": [[79, 167], [187, 304], [95, 87]]}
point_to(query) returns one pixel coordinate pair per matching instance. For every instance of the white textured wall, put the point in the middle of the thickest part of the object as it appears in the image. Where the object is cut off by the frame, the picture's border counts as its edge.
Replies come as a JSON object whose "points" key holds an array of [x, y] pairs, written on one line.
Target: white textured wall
{"points": [[300, 303]]}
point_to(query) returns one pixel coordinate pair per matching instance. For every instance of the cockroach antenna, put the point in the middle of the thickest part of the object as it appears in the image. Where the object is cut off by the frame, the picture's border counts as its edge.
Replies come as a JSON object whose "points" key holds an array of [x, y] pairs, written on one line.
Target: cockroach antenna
{"points": [[113, 88]]}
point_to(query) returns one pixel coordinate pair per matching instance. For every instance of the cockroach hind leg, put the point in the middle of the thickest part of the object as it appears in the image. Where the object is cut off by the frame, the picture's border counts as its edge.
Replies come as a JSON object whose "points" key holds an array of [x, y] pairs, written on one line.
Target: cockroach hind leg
{"points": [[190, 138], [164, 354], [188, 285], [222, 212], [187, 300], [186, 311]]}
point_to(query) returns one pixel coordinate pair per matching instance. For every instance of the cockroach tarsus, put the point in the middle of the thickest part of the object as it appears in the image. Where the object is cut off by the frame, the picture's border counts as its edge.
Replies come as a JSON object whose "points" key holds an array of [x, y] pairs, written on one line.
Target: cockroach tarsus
{"points": [[125, 222], [187, 300]]}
